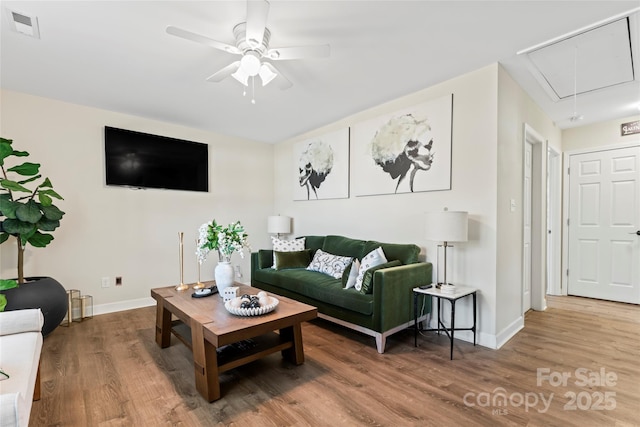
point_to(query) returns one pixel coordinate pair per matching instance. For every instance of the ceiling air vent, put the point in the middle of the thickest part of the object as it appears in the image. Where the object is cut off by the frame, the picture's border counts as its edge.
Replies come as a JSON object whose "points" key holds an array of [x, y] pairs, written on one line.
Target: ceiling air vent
{"points": [[24, 24]]}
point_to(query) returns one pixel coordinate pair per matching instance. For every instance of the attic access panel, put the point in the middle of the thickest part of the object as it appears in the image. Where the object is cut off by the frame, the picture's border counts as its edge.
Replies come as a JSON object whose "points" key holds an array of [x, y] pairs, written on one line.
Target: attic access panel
{"points": [[604, 59]]}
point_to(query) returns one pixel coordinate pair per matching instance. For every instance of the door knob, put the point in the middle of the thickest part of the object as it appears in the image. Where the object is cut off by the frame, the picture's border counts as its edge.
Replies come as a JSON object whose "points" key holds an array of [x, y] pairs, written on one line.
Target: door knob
{"points": [[637, 232]]}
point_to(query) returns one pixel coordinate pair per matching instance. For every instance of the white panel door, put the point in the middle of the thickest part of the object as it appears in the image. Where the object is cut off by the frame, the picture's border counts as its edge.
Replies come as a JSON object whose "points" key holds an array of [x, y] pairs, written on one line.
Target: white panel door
{"points": [[604, 217]]}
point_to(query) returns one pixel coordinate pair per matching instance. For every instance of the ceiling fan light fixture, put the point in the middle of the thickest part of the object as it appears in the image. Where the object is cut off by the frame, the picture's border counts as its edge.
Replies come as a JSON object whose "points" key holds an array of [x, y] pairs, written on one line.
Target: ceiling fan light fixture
{"points": [[250, 63], [241, 76], [249, 67], [267, 74], [252, 44]]}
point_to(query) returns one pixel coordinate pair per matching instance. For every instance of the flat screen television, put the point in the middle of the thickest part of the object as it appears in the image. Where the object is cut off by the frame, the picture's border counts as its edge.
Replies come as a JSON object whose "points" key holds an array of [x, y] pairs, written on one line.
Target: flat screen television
{"points": [[141, 160]]}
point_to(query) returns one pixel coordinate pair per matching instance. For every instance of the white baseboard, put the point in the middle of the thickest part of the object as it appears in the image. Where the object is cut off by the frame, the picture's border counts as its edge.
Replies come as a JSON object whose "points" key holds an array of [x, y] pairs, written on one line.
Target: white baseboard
{"points": [[482, 338], [507, 333], [123, 305], [489, 340]]}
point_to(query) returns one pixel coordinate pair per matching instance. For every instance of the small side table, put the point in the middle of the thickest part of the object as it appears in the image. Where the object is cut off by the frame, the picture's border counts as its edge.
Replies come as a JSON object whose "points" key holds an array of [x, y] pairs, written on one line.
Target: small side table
{"points": [[460, 292]]}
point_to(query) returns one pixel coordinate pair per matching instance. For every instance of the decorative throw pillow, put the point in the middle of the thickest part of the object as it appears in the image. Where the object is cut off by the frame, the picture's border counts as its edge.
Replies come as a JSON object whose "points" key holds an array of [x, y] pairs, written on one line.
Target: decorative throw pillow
{"points": [[286, 246], [373, 258], [367, 281], [297, 259], [345, 275], [353, 274], [330, 264]]}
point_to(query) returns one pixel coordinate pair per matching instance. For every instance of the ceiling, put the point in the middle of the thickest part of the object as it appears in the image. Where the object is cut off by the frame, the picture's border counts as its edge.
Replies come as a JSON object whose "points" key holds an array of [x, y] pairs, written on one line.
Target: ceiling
{"points": [[116, 55]]}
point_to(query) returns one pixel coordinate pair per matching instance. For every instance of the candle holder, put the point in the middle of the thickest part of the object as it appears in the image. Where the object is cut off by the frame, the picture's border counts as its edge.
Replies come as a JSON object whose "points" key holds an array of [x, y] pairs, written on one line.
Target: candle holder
{"points": [[198, 285], [72, 294], [181, 287]]}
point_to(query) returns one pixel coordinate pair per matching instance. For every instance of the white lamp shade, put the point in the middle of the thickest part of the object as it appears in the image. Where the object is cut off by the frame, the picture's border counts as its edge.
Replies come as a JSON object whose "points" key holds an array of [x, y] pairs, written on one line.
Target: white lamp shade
{"points": [[279, 224], [447, 226]]}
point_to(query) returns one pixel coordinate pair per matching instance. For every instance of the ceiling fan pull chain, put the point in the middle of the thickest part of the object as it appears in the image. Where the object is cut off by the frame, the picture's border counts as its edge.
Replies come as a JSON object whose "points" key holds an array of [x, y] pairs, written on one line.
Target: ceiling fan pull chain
{"points": [[253, 90]]}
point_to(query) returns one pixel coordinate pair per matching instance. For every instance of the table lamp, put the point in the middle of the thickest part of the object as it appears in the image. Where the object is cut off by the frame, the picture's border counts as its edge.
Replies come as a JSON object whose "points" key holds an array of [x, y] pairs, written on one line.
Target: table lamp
{"points": [[279, 224], [446, 226]]}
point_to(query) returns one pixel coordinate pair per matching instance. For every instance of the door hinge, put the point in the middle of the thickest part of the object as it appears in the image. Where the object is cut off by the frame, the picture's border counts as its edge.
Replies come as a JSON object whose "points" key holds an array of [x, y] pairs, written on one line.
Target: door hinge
{"points": [[567, 272], [568, 171], [567, 222]]}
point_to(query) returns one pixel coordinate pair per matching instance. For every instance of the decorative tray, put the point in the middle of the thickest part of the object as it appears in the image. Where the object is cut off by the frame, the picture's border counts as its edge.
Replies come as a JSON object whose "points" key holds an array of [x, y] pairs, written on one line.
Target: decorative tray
{"points": [[258, 311]]}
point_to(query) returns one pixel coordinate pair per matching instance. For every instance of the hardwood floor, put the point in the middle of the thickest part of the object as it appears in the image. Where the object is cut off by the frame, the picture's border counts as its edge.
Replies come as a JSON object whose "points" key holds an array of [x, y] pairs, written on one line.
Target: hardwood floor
{"points": [[108, 371]]}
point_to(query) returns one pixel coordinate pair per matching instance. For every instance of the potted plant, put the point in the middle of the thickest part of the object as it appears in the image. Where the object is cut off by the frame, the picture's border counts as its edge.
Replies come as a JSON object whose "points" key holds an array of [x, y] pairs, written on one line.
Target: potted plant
{"points": [[28, 214], [226, 240]]}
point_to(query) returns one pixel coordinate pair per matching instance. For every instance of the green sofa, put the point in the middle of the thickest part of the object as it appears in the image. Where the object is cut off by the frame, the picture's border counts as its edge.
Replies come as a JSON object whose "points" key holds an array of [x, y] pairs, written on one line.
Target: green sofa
{"points": [[384, 311]]}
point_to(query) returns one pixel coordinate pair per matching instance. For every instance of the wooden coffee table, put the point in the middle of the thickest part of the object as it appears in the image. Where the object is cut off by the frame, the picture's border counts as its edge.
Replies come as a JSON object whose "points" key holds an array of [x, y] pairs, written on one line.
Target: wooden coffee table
{"points": [[206, 327]]}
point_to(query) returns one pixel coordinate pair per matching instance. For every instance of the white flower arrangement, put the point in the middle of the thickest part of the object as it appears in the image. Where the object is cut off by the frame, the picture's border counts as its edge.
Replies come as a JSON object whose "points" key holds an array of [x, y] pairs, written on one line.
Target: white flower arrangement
{"points": [[226, 240]]}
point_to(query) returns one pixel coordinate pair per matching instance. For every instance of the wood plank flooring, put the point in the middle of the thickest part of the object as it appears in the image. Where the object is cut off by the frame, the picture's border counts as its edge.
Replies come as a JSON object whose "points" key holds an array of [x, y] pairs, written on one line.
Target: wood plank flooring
{"points": [[108, 371]]}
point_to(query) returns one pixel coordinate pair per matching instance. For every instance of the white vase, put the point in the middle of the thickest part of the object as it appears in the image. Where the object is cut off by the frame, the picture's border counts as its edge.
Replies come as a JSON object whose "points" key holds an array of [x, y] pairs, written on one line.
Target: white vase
{"points": [[223, 275]]}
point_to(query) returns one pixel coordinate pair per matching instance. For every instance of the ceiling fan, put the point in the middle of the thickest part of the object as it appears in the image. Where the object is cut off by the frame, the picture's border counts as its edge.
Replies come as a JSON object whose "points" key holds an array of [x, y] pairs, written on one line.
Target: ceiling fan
{"points": [[252, 43]]}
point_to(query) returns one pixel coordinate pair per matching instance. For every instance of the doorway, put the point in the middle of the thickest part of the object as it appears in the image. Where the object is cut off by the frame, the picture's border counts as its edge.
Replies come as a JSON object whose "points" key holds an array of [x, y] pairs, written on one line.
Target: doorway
{"points": [[554, 223], [534, 218], [603, 224]]}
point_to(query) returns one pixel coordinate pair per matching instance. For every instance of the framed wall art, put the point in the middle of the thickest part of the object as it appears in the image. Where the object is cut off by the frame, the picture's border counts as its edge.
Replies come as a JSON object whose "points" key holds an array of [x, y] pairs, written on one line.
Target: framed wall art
{"points": [[404, 152], [322, 167]]}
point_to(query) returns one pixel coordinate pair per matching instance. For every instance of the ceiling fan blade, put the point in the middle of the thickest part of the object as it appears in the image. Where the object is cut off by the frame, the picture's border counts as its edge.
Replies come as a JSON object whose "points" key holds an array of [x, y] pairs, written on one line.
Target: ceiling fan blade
{"points": [[257, 12], [224, 73], [320, 51], [280, 81], [188, 35]]}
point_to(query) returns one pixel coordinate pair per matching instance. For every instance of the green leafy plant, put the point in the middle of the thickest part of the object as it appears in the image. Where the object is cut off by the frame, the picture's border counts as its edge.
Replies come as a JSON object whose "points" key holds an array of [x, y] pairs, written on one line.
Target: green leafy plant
{"points": [[26, 214], [226, 240]]}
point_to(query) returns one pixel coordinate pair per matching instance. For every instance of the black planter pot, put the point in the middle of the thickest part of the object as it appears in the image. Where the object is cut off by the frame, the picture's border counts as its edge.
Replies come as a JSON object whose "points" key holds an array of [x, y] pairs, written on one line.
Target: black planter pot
{"points": [[44, 293]]}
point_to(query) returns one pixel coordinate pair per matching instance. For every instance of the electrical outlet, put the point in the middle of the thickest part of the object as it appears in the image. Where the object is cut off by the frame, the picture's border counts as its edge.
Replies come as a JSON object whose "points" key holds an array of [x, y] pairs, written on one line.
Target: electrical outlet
{"points": [[105, 282], [118, 280], [238, 272]]}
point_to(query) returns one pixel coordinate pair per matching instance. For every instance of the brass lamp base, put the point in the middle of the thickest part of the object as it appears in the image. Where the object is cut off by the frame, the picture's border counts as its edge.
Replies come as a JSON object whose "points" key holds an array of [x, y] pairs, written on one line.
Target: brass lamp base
{"points": [[199, 285]]}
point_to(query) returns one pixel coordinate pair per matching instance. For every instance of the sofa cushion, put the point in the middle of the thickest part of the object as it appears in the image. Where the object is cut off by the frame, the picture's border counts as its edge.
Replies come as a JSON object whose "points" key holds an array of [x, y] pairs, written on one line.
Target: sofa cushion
{"points": [[406, 253], [367, 281], [373, 258], [19, 321], [296, 259], [264, 258], [20, 347], [327, 263], [318, 286], [287, 245], [314, 242], [351, 274], [344, 246]]}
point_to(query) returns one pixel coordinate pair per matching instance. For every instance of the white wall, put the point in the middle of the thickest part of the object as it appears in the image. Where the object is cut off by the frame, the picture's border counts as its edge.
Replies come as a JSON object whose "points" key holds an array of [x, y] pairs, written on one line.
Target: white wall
{"points": [[113, 231], [515, 109], [598, 135], [400, 218]]}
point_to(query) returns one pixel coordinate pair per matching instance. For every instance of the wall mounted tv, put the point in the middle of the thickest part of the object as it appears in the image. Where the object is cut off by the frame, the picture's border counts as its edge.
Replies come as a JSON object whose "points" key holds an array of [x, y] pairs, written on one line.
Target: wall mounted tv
{"points": [[142, 160]]}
